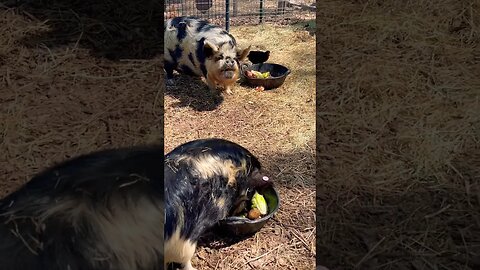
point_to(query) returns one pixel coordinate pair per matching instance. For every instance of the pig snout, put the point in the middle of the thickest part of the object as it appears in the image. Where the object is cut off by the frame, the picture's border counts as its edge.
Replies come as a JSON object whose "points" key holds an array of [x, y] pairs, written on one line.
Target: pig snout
{"points": [[229, 64]]}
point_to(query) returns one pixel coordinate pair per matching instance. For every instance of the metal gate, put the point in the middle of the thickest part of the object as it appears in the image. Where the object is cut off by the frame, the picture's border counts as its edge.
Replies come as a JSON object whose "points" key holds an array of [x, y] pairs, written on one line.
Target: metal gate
{"points": [[235, 12]]}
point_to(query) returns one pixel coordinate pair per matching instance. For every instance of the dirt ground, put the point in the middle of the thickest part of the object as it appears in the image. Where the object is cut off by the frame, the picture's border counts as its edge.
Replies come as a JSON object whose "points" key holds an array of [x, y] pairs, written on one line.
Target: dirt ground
{"points": [[279, 127], [399, 129]]}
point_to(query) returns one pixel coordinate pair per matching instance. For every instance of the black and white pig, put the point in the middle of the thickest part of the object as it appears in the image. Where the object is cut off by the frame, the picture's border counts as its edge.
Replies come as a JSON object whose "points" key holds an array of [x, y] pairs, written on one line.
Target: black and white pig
{"points": [[205, 181], [195, 47], [100, 211]]}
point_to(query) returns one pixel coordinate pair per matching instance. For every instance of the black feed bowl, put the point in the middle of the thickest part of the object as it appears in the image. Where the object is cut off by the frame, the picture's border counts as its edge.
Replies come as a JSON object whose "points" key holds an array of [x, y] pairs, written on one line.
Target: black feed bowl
{"points": [[278, 74], [243, 226]]}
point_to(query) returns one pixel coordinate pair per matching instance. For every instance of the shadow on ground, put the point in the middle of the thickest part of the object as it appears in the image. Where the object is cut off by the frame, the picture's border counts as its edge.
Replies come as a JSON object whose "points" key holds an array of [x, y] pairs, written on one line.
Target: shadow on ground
{"points": [[217, 239], [109, 29], [193, 92], [393, 229]]}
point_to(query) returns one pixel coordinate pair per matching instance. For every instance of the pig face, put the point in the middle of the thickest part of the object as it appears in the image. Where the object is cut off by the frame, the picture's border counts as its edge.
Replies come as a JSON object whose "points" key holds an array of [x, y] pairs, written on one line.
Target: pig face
{"points": [[223, 61]]}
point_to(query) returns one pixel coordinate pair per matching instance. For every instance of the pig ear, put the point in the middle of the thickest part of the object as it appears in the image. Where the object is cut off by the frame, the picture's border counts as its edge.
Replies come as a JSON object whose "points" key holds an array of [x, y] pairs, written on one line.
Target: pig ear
{"points": [[209, 49], [258, 179], [242, 54]]}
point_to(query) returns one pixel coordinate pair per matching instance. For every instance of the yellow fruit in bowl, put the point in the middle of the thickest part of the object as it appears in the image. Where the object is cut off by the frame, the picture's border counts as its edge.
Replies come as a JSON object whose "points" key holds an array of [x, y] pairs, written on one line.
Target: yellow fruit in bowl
{"points": [[257, 74]]}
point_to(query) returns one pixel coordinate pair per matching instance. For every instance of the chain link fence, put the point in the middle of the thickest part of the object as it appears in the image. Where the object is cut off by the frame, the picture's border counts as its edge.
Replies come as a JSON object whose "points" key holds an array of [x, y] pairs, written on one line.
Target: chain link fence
{"points": [[236, 12]]}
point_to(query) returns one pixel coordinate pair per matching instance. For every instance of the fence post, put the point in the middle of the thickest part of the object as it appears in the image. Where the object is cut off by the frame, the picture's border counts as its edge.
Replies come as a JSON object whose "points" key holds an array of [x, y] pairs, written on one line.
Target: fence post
{"points": [[261, 11], [227, 15], [235, 8]]}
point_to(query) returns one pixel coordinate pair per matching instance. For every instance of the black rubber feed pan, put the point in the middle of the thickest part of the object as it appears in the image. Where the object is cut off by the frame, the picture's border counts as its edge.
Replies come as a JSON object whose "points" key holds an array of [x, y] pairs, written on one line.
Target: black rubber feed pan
{"points": [[244, 226], [278, 74]]}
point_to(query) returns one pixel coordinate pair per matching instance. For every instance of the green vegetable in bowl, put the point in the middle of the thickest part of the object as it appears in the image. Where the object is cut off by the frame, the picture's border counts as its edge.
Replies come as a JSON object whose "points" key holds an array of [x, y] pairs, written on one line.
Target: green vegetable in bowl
{"points": [[258, 201]]}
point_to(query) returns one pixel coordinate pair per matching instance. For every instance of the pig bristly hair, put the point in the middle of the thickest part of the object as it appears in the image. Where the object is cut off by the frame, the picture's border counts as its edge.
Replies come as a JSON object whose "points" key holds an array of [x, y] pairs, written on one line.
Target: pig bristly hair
{"points": [[101, 211], [203, 178]]}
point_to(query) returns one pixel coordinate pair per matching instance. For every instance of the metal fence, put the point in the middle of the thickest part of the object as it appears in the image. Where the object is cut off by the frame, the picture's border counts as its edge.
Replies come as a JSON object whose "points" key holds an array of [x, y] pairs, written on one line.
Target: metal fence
{"points": [[235, 12]]}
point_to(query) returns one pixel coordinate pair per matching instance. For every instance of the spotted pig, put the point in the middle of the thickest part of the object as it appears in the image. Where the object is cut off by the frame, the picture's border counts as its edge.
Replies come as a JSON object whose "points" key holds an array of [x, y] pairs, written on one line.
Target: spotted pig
{"points": [[196, 47], [205, 181]]}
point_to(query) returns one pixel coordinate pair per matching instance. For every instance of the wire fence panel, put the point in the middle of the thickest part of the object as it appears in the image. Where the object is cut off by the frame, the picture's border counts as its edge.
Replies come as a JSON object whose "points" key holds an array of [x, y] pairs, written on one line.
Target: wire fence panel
{"points": [[236, 12]]}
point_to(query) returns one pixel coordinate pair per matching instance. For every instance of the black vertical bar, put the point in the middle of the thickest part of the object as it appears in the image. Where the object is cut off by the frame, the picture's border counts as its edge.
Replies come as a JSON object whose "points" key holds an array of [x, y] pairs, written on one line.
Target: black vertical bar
{"points": [[227, 15], [261, 11]]}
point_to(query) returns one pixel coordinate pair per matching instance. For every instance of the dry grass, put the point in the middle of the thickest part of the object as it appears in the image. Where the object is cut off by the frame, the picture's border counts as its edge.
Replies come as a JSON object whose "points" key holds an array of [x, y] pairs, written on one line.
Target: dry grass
{"points": [[399, 130], [132, 30], [60, 101], [279, 127]]}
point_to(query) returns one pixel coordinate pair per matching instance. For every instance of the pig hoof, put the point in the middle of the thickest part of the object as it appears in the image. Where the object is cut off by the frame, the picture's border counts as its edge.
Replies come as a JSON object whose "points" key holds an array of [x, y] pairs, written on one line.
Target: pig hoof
{"points": [[230, 92]]}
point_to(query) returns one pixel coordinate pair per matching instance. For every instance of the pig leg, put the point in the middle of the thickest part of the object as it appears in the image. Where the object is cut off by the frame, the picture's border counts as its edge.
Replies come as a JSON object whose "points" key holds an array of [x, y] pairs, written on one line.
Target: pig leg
{"points": [[212, 85], [169, 68], [228, 89], [188, 252]]}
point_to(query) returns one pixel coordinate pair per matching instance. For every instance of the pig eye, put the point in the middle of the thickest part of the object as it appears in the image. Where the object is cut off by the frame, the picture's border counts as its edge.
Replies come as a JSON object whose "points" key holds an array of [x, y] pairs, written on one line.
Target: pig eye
{"points": [[218, 58]]}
